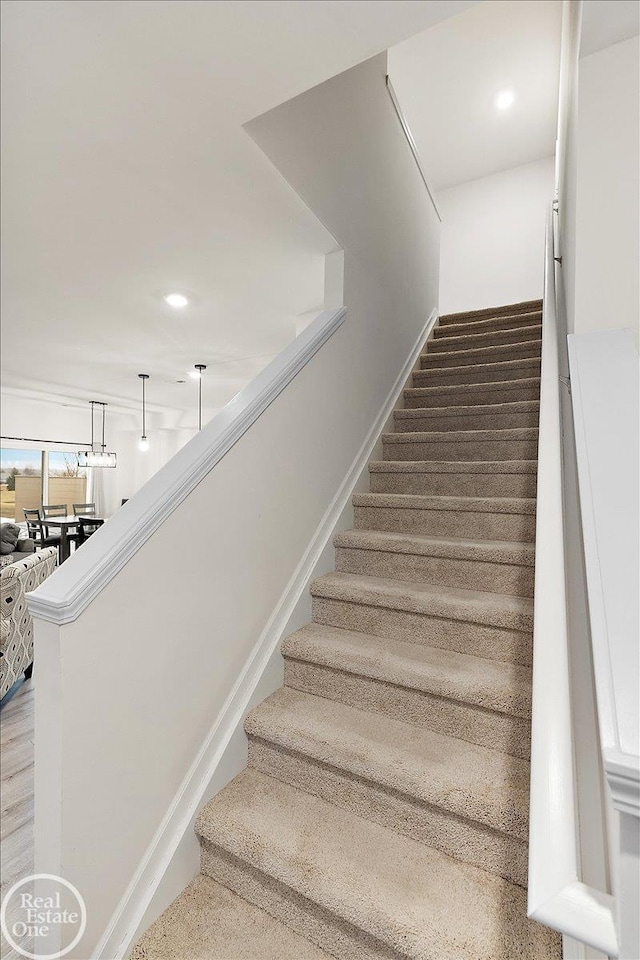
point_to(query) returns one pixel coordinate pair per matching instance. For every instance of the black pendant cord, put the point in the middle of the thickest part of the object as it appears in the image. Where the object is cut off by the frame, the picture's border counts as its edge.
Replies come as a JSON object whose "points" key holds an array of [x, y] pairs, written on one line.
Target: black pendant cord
{"points": [[144, 377], [103, 444], [200, 367]]}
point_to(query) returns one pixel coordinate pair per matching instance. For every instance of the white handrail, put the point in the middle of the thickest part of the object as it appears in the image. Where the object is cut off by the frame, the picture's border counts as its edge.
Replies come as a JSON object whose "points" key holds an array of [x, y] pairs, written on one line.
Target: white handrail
{"points": [[556, 896], [63, 596]]}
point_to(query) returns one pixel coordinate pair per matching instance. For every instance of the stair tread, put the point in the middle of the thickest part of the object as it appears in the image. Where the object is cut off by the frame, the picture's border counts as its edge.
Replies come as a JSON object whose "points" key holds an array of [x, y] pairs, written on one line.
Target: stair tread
{"points": [[454, 603], [493, 368], [395, 889], [473, 410], [209, 922], [491, 684], [497, 349], [422, 501], [493, 551], [471, 781], [454, 466], [458, 337], [488, 325], [461, 436], [478, 387], [488, 386]]}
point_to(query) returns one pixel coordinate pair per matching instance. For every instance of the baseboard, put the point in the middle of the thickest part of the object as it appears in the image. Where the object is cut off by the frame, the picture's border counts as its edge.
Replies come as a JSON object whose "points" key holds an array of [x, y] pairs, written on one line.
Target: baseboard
{"points": [[172, 858]]}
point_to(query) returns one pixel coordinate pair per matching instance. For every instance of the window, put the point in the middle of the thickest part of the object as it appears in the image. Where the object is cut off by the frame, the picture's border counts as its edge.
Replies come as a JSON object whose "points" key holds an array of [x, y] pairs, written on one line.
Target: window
{"points": [[29, 478], [67, 481], [20, 482]]}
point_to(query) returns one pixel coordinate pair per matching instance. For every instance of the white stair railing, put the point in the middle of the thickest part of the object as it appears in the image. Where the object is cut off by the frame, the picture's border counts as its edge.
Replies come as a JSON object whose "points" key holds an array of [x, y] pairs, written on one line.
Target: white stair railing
{"points": [[556, 895]]}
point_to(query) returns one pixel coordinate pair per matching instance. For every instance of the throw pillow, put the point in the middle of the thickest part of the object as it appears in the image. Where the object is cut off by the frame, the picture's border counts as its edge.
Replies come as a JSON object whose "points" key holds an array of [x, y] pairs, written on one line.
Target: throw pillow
{"points": [[9, 534]]}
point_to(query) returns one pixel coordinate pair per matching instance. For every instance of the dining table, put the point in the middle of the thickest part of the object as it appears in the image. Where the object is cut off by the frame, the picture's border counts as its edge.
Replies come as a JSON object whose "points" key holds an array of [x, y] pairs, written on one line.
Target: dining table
{"points": [[67, 525]]}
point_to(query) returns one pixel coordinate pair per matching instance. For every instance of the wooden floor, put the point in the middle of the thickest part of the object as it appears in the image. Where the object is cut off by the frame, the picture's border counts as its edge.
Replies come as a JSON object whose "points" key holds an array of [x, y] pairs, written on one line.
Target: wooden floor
{"points": [[16, 793]]}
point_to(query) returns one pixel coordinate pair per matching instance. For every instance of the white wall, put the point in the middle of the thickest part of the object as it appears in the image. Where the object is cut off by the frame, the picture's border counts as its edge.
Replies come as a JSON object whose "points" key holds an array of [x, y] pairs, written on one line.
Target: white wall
{"points": [[607, 280], [151, 662], [135, 467], [492, 247]]}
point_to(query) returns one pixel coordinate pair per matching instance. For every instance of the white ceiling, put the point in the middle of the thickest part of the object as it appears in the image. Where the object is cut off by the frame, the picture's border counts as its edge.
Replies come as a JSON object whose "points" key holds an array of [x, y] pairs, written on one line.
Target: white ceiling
{"points": [[607, 21], [447, 78], [126, 175]]}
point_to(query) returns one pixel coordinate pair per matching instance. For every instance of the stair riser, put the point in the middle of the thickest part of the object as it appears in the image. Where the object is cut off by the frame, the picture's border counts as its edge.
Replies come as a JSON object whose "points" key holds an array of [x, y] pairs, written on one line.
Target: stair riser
{"points": [[480, 421], [461, 839], [508, 578], [459, 340], [303, 916], [464, 451], [519, 527], [498, 731], [464, 396], [509, 351], [456, 485], [491, 313], [478, 640], [476, 373]]}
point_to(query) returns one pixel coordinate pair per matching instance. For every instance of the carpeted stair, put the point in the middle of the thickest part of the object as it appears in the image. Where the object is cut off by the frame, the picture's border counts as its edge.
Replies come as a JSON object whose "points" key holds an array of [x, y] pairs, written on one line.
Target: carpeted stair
{"points": [[384, 810]]}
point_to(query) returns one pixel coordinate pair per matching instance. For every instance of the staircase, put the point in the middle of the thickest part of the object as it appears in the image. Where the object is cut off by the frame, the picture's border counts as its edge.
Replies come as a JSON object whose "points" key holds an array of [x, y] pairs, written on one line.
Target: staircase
{"points": [[384, 809]]}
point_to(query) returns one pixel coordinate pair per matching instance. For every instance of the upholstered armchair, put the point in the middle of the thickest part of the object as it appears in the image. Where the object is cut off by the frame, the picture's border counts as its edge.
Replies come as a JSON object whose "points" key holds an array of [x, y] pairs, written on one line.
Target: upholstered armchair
{"points": [[16, 625]]}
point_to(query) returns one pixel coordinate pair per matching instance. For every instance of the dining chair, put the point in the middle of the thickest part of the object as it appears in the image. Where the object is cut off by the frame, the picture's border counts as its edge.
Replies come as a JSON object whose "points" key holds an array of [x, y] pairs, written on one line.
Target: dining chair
{"points": [[57, 510], [85, 528], [34, 524], [37, 532], [54, 510], [84, 509]]}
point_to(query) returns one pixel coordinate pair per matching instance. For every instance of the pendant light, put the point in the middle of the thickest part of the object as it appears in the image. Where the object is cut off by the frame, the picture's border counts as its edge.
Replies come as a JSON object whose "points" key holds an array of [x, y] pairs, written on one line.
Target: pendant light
{"points": [[143, 443], [199, 367], [97, 457]]}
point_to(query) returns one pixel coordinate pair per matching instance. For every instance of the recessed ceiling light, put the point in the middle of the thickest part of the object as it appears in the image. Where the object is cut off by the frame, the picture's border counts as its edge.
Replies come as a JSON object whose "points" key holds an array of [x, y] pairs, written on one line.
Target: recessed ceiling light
{"points": [[505, 99], [176, 300], [195, 374]]}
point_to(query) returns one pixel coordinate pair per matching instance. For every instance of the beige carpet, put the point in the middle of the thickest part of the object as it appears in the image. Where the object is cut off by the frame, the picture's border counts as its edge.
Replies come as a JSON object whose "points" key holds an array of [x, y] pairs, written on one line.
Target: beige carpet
{"points": [[384, 809]]}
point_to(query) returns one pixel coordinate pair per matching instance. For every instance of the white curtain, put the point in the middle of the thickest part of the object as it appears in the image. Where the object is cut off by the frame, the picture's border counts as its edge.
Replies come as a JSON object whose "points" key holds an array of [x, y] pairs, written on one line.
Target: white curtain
{"points": [[97, 489]]}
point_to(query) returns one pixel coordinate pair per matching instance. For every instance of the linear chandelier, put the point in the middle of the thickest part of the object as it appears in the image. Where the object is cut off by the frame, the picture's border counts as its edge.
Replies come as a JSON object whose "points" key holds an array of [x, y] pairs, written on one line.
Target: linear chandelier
{"points": [[97, 457]]}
